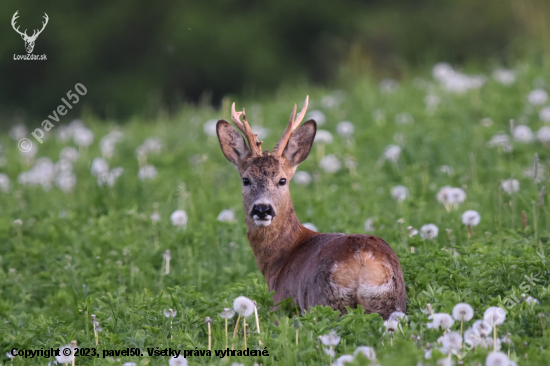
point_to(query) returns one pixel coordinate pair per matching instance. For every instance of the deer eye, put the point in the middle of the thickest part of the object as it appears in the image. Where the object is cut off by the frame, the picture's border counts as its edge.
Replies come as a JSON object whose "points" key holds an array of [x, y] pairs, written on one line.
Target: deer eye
{"points": [[282, 181], [246, 182]]}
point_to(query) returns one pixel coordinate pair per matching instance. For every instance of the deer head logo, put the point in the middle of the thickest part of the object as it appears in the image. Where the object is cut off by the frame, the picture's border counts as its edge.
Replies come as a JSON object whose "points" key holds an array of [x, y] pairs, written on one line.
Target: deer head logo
{"points": [[29, 41]]}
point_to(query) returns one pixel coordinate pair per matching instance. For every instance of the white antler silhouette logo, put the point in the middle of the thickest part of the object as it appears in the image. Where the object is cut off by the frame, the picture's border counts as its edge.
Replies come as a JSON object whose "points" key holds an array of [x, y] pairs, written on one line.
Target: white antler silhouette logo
{"points": [[29, 41]]}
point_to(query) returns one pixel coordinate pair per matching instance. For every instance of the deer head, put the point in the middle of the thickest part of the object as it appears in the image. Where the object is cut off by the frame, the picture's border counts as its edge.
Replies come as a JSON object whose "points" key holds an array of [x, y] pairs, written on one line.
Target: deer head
{"points": [[29, 41], [265, 176]]}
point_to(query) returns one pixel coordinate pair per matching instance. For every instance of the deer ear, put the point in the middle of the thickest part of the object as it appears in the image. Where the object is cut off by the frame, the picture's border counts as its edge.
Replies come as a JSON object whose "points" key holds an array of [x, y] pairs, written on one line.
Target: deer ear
{"points": [[299, 144], [232, 142]]}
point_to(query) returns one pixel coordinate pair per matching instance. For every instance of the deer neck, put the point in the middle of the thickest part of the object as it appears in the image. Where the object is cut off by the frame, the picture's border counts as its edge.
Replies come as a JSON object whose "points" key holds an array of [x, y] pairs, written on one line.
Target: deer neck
{"points": [[273, 244]]}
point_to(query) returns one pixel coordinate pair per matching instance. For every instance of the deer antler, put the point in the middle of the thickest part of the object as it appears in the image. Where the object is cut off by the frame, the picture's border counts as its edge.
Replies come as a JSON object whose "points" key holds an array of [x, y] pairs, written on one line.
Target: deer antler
{"points": [[251, 137], [292, 125], [35, 34], [15, 16]]}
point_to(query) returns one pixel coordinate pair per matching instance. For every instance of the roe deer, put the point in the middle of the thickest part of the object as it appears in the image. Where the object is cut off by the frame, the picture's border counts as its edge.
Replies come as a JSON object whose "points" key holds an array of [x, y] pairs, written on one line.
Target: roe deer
{"points": [[335, 270]]}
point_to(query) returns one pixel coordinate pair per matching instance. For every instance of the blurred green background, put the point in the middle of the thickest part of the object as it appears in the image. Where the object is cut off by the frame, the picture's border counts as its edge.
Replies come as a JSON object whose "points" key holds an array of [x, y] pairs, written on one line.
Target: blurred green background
{"points": [[142, 57]]}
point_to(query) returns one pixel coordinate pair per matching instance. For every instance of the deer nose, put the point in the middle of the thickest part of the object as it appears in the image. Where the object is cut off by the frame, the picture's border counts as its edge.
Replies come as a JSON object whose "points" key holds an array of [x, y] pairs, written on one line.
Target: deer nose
{"points": [[262, 211]]}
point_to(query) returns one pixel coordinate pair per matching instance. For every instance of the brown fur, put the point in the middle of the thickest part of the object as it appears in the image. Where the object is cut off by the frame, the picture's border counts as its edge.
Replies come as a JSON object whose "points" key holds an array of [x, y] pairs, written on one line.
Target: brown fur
{"points": [[336, 270]]}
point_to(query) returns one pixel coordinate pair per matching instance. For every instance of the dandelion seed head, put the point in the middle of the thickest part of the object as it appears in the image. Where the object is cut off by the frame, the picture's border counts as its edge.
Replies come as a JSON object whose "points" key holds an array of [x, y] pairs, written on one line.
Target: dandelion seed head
{"points": [[400, 193], [316, 115], [543, 134], [330, 339], [227, 313], [177, 361], [537, 97], [368, 352], [429, 231], [463, 312], [497, 359], [482, 328], [330, 164], [65, 359], [69, 153], [169, 313], [302, 178], [510, 185], [99, 166], [344, 359], [83, 136], [244, 306], [523, 134], [392, 152], [451, 341], [504, 76], [226, 216], [369, 225], [494, 315], [345, 129], [471, 218], [147, 172]]}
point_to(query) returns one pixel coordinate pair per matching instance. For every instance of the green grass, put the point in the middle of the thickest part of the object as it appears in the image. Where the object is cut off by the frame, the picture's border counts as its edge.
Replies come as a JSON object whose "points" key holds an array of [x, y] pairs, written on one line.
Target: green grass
{"points": [[93, 251]]}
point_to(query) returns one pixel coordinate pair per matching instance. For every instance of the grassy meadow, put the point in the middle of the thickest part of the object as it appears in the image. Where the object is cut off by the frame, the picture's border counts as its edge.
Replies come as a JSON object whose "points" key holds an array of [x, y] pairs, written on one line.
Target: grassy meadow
{"points": [[72, 248]]}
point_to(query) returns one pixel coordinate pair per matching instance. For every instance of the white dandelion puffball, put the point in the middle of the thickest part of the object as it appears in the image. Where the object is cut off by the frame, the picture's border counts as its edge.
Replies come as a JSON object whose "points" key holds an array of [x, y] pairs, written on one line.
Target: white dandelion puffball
{"points": [[226, 216], [4, 183], [482, 328], [486, 122], [178, 361], [317, 116], [490, 343], [30, 153], [99, 166], [543, 134], [537, 97], [400, 193], [147, 172], [451, 341], [504, 76], [398, 316], [497, 359], [544, 114], [369, 225], [392, 152], [471, 338], [179, 218], [471, 218], [129, 364], [463, 312], [227, 313], [302, 178], [523, 133], [442, 194], [209, 127], [388, 85], [445, 321], [155, 217], [345, 129], [531, 300], [323, 137], [455, 196], [330, 164], [330, 339], [69, 153], [510, 186], [429, 231], [494, 315], [83, 137], [18, 131], [243, 306], [169, 313], [447, 170], [66, 181], [310, 226], [65, 359], [368, 352], [344, 359], [501, 140]]}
